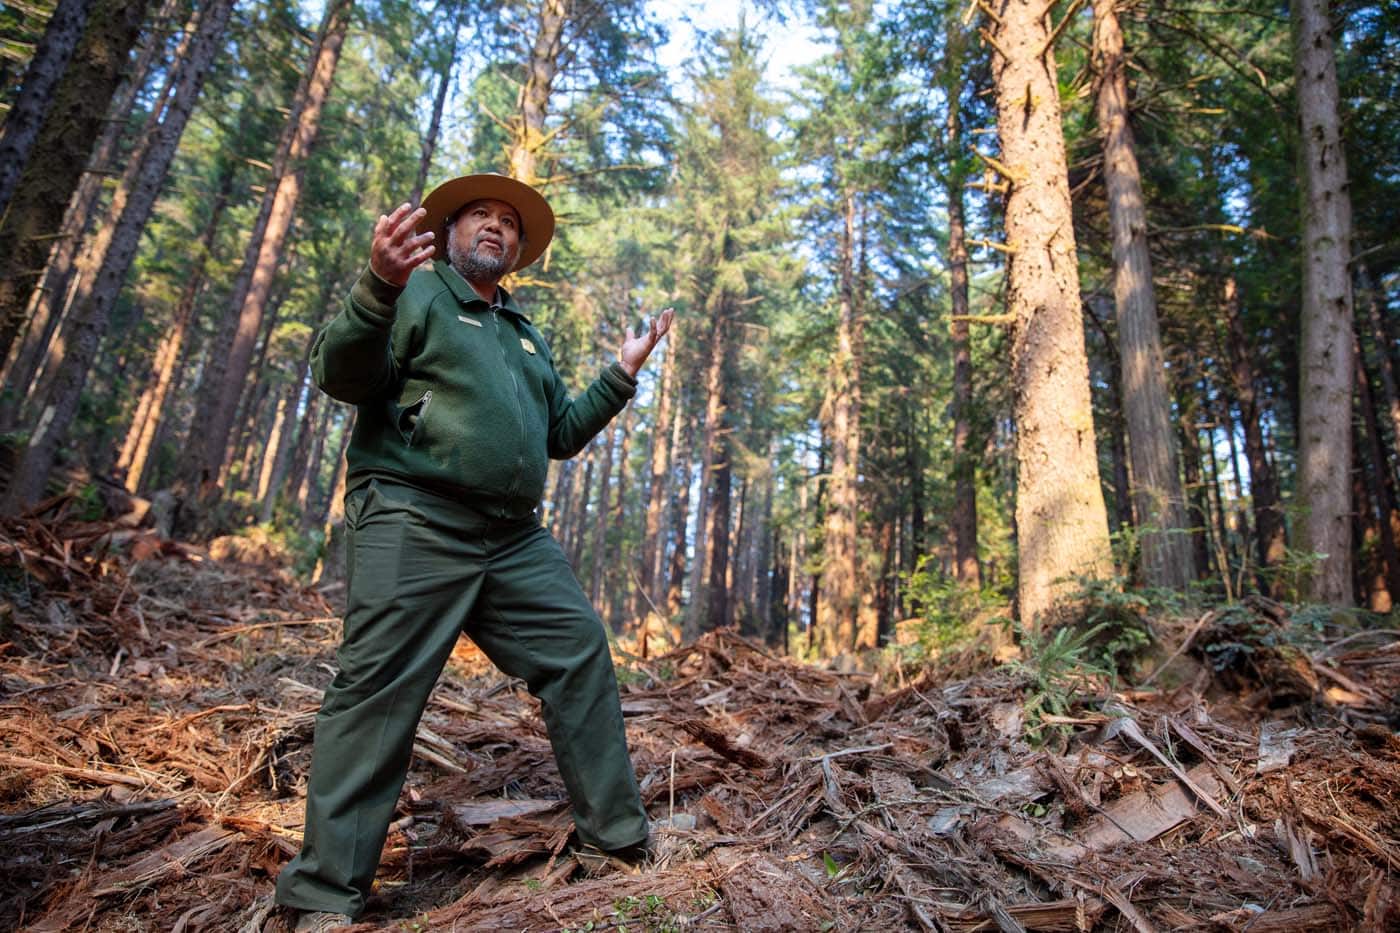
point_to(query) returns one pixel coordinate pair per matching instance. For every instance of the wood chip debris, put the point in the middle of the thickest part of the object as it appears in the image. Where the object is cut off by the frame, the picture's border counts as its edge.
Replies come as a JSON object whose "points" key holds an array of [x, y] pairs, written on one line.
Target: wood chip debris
{"points": [[158, 710]]}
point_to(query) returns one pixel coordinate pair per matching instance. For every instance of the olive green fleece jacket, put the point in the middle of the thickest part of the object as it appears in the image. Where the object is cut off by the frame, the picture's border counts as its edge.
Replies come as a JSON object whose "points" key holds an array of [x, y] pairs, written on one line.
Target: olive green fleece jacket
{"points": [[456, 395]]}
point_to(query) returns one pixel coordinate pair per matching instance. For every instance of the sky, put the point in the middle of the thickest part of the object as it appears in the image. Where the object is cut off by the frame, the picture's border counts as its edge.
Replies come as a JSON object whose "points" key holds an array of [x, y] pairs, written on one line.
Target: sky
{"points": [[785, 45]]}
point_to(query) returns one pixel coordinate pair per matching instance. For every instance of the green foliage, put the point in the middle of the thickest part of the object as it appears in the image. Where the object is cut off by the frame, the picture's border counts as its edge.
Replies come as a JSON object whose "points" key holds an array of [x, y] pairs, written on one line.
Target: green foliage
{"points": [[1061, 665], [948, 611], [1291, 576], [1239, 632]]}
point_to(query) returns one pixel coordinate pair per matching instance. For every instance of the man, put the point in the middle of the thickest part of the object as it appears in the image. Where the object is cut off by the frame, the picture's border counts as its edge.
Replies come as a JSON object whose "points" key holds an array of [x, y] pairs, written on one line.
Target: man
{"points": [[460, 409]]}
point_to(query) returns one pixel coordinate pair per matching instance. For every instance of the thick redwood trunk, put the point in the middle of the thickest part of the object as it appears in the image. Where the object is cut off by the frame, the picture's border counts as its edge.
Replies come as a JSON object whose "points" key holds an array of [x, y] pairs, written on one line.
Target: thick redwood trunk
{"points": [[1061, 522], [1325, 354]]}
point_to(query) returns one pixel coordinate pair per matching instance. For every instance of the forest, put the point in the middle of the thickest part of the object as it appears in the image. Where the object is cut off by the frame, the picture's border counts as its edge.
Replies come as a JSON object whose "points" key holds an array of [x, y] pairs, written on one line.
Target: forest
{"points": [[1033, 372]]}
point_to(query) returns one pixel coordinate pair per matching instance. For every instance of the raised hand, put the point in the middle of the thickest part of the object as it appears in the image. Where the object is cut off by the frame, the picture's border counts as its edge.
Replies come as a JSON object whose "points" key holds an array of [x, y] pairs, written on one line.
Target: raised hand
{"points": [[637, 347], [396, 251]]}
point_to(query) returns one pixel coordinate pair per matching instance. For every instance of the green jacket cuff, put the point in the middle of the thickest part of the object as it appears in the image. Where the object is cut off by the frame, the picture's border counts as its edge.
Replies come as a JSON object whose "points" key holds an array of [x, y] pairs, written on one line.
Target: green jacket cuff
{"points": [[374, 295], [618, 379]]}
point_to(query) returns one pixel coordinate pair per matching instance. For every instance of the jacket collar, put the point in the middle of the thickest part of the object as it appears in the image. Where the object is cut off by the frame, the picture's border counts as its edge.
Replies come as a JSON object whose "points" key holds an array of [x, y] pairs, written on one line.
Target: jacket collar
{"points": [[466, 295]]}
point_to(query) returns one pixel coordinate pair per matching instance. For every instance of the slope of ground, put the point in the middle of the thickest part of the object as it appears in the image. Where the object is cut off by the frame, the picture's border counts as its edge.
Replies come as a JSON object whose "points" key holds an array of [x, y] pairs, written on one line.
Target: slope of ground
{"points": [[157, 711]]}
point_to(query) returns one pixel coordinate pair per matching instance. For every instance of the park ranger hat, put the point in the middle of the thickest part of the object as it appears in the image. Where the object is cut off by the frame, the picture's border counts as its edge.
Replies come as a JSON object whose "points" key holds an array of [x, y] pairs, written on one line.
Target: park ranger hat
{"points": [[536, 218]]}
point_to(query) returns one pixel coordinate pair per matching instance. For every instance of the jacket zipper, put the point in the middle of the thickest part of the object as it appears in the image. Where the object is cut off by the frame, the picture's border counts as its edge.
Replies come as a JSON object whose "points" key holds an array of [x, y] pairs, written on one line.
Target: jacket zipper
{"points": [[519, 406], [426, 400]]}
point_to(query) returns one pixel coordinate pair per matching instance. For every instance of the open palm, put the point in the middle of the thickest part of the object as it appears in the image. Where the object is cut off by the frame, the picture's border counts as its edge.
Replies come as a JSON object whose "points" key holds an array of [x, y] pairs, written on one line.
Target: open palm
{"points": [[637, 347]]}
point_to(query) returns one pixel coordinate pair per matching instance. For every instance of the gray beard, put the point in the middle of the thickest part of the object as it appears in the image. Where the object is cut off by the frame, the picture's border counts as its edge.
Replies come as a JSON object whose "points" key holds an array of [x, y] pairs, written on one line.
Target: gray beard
{"points": [[474, 265]]}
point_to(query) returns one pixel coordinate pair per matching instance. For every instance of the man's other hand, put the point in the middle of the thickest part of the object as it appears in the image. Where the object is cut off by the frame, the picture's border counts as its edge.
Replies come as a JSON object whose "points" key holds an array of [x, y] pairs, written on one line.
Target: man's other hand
{"points": [[396, 251], [637, 347]]}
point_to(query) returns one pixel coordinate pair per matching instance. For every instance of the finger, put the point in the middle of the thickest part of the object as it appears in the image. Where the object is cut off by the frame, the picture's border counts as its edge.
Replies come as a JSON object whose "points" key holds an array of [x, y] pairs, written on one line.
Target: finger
{"points": [[404, 227], [398, 213], [664, 326]]}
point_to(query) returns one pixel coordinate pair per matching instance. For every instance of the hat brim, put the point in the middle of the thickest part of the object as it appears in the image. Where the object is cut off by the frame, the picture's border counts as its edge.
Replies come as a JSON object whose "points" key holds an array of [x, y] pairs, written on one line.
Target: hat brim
{"points": [[536, 218]]}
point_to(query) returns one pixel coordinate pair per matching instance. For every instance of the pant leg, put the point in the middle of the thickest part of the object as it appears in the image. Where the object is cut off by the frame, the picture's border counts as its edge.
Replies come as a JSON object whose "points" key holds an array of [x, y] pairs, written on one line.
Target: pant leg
{"points": [[412, 582], [534, 622]]}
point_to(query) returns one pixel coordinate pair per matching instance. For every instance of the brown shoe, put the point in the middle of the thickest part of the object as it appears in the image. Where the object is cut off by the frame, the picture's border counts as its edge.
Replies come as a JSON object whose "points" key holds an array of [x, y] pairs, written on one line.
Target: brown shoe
{"points": [[320, 921]]}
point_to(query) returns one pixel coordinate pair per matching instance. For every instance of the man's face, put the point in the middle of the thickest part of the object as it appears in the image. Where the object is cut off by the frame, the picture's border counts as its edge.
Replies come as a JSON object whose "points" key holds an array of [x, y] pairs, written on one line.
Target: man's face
{"points": [[483, 242]]}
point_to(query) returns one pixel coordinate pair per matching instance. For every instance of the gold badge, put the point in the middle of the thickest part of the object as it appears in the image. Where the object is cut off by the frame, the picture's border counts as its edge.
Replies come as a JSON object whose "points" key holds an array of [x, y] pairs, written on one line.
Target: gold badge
{"points": [[529, 347]]}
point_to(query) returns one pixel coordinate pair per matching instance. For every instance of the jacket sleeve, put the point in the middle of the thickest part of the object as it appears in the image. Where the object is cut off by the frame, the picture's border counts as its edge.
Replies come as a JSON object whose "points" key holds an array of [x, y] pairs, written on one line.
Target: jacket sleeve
{"points": [[573, 422], [352, 359]]}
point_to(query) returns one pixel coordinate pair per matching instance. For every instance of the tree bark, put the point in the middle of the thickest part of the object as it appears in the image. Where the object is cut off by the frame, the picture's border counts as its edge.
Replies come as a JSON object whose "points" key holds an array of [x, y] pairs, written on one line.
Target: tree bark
{"points": [[219, 393], [713, 453], [36, 90], [1269, 529], [1380, 341], [527, 128], [658, 491], [71, 127], [680, 519], [1061, 522], [963, 521], [135, 202], [52, 298], [1377, 485], [1325, 352], [838, 623], [1158, 499], [136, 453]]}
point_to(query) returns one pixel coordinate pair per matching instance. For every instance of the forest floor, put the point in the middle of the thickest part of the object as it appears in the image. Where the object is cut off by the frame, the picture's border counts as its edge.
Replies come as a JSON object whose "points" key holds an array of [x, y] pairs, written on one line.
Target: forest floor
{"points": [[157, 709]]}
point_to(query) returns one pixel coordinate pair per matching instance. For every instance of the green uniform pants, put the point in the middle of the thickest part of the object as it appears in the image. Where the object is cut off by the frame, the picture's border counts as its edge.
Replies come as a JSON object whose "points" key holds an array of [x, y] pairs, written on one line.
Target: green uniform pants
{"points": [[421, 569]]}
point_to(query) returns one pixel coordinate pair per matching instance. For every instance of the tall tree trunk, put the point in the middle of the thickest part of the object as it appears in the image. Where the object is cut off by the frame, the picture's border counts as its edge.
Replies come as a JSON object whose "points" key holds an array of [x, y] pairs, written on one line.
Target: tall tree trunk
{"points": [[680, 519], [1061, 522], [718, 602], [306, 478], [123, 237], [713, 453], [658, 491], [71, 126], [1376, 482], [620, 571], [281, 444], [56, 288], [963, 522], [1157, 494], [1269, 529], [1215, 500], [219, 393], [527, 135], [579, 520], [1324, 441], [136, 452], [36, 90], [331, 566], [838, 625], [603, 513], [1384, 366], [1198, 506]]}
